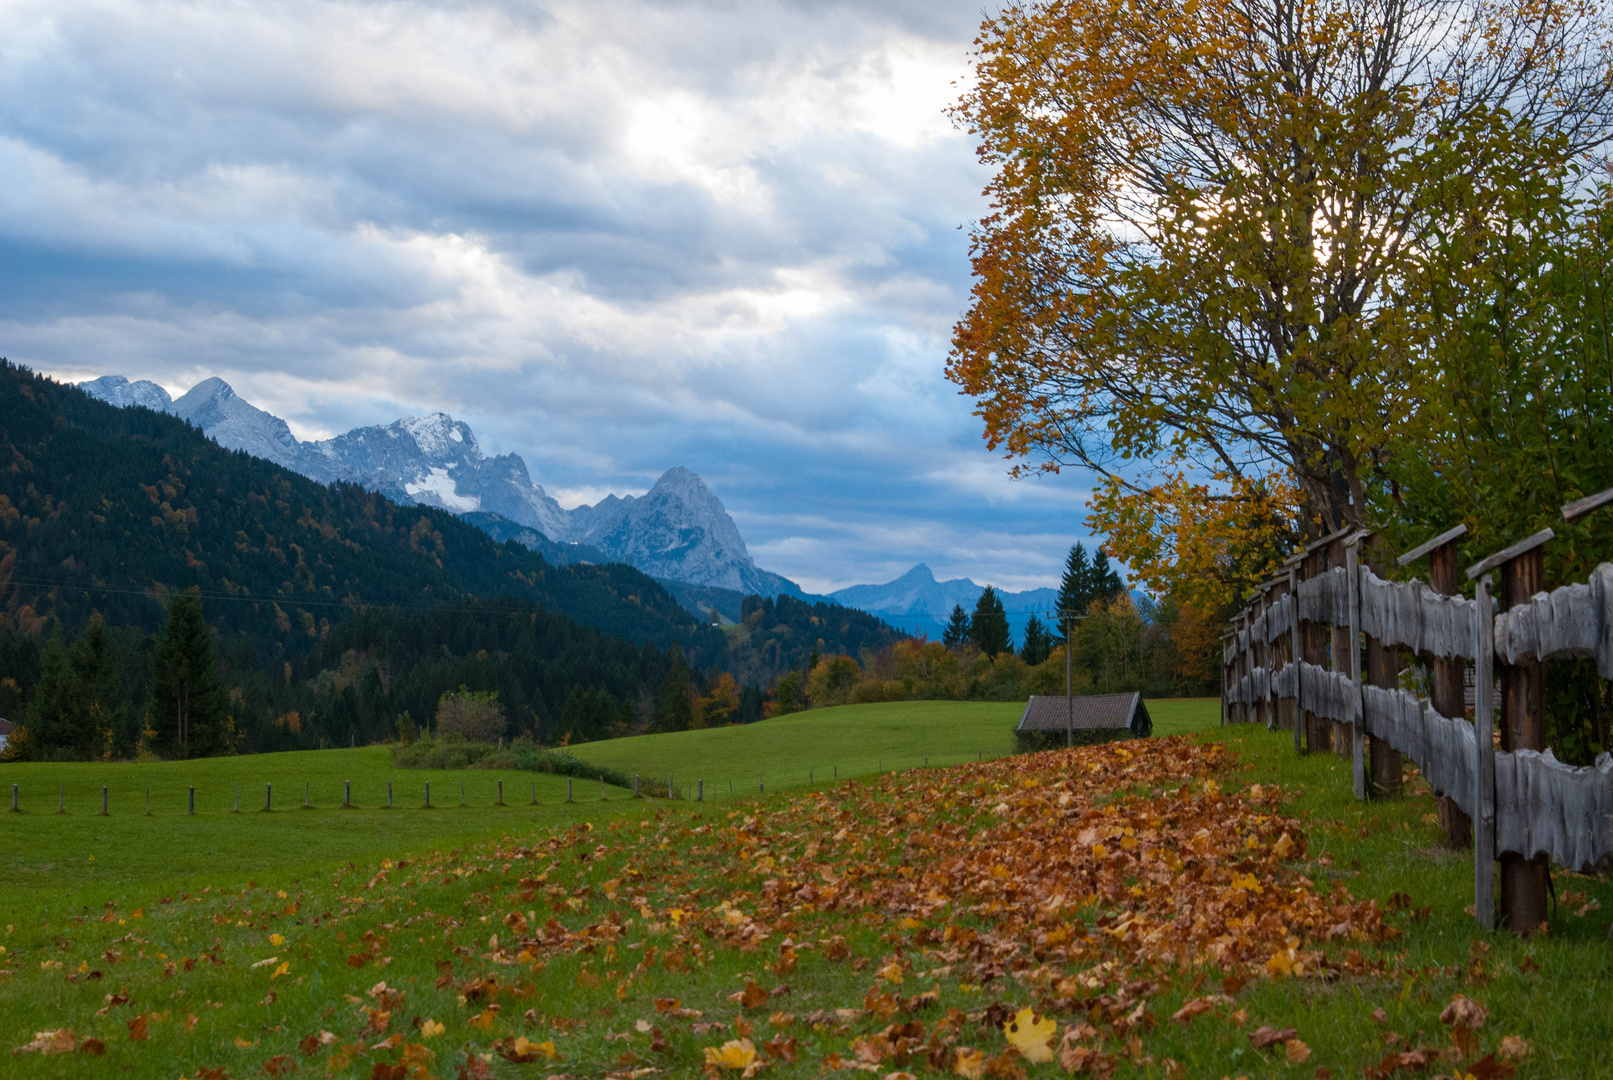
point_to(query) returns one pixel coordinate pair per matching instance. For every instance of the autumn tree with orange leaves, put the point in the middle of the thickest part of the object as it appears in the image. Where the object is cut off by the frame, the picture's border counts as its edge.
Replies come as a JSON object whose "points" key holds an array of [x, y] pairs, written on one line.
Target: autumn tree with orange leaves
{"points": [[1199, 277]]}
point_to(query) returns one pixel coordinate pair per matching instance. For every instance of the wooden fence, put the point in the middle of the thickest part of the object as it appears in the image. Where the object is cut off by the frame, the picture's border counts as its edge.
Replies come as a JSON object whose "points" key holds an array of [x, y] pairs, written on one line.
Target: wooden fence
{"points": [[1318, 651]]}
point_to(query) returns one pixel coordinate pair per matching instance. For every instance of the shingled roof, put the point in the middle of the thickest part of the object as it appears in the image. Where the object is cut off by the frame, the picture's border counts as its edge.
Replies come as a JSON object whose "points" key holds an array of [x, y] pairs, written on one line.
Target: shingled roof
{"points": [[1098, 712]]}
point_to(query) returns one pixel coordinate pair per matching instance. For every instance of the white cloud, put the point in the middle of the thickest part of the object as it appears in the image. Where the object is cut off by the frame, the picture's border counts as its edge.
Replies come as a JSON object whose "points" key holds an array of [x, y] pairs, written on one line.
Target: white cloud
{"points": [[614, 237]]}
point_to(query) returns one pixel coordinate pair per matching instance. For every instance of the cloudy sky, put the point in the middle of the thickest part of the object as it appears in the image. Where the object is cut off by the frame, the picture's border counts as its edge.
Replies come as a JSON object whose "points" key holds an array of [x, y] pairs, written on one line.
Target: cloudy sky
{"points": [[614, 237]]}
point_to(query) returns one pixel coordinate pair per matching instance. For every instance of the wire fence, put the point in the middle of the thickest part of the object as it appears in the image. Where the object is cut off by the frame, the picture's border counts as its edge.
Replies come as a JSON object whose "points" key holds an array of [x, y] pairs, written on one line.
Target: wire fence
{"points": [[409, 793]]}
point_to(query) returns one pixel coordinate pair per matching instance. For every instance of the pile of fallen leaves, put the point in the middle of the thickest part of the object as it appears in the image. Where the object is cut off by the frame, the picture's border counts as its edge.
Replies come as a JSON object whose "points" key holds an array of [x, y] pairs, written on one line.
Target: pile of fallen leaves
{"points": [[991, 918]]}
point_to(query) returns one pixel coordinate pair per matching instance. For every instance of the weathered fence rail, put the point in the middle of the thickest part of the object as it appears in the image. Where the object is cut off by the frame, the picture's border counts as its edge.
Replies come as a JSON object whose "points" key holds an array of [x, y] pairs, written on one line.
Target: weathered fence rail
{"points": [[1294, 658]]}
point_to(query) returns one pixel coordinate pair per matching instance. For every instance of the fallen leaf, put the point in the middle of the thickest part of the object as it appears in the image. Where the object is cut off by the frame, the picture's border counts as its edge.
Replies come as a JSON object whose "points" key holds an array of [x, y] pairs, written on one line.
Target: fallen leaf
{"points": [[970, 1064], [1514, 1048], [1265, 1035], [63, 1040], [1297, 1052], [430, 1029], [1033, 1038], [137, 1027], [733, 1054], [1464, 1012]]}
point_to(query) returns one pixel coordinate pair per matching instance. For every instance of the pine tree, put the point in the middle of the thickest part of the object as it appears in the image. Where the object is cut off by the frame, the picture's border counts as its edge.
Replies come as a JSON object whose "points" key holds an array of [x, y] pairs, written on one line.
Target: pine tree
{"points": [[1038, 642], [957, 631], [1075, 591], [185, 701], [988, 629], [1105, 583], [59, 715], [672, 709]]}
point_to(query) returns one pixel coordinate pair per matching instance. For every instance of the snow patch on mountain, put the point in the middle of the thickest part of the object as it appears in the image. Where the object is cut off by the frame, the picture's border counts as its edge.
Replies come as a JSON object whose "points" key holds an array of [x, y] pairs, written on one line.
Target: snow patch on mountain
{"points": [[437, 488], [116, 390]]}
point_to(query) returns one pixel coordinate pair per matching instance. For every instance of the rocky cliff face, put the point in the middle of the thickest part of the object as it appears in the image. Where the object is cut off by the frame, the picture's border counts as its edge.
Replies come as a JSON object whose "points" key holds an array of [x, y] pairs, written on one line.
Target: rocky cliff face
{"points": [[677, 530]]}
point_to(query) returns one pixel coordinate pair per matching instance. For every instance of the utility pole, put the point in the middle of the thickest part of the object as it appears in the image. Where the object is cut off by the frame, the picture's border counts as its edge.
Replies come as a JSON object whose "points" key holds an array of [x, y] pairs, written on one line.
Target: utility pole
{"points": [[1069, 696]]}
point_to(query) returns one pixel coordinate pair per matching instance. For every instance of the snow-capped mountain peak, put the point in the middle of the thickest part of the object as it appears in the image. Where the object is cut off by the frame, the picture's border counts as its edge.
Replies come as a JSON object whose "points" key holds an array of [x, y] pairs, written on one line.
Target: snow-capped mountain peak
{"points": [[677, 530]]}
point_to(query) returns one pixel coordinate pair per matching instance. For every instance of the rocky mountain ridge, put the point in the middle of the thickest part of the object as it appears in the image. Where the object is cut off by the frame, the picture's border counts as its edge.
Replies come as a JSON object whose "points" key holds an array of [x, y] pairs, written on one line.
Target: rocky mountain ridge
{"points": [[677, 530], [918, 603]]}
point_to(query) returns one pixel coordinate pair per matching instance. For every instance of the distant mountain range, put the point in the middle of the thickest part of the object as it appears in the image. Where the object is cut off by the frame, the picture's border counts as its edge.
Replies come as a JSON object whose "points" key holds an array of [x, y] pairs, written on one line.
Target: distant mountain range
{"points": [[919, 604], [677, 530]]}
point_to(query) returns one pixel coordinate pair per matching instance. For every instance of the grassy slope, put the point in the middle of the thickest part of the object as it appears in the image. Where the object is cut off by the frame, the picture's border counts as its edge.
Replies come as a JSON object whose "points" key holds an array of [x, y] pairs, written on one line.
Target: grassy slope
{"points": [[856, 740]]}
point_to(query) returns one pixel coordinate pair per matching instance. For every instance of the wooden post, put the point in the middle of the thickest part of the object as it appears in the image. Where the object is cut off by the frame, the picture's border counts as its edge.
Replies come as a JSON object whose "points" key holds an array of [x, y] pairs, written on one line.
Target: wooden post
{"points": [[1525, 881], [1296, 709], [14, 808], [1313, 650], [347, 795], [1445, 673], [1383, 670], [700, 791], [104, 812], [192, 810], [500, 794], [568, 789], [268, 797], [1484, 773], [389, 794], [1339, 647], [1259, 649], [1358, 746], [428, 794]]}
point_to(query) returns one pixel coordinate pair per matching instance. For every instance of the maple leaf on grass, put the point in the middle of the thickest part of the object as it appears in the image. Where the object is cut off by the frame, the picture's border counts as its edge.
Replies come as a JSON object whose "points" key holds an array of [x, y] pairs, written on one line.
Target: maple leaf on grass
{"points": [[733, 1054], [1464, 1012], [1032, 1037]]}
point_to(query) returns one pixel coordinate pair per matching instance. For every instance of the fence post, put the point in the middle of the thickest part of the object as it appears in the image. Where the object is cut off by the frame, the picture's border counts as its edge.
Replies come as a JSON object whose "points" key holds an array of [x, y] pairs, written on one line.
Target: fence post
{"points": [[568, 789], [428, 794], [237, 809], [192, 808], [700, 791], [61, 799], [1484, 773], [14, 807], [268, 796], [148, 800], [389, 794], [1358, 734], [103, 802], [1525, 882], [601, 789], [462, 793], [305, 803], [500, 793], [347, 795], [1445, 692], [635, 785]]}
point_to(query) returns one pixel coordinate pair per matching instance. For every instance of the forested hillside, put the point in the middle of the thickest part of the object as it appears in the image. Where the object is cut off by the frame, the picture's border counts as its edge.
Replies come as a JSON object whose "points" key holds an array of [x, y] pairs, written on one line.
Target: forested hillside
{"points": [[108, 510], [332, 608]]}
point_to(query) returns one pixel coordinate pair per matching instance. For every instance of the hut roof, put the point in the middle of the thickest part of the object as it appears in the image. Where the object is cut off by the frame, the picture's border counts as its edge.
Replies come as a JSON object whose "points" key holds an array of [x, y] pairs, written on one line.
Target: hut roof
{"points": [[1097, 712]]}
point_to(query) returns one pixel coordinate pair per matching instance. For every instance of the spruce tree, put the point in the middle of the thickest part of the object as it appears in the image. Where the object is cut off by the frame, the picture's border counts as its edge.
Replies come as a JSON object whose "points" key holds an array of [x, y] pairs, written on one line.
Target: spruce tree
{"points": [[988, 629], [1105, 583], [59, 724], [1038, 642], [957, 631], [672, 709], [1075, 591], [186, 705]]}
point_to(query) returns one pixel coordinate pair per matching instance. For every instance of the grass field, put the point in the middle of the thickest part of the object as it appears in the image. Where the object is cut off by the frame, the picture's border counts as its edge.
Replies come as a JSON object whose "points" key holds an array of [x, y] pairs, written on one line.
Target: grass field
{"points": [[55, 862], [847, 741], [800, 933]]}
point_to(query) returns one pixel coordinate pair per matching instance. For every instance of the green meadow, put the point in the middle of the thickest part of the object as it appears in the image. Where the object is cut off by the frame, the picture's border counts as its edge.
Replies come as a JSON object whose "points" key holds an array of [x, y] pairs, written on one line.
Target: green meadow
{"points": [[98, 909]]}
